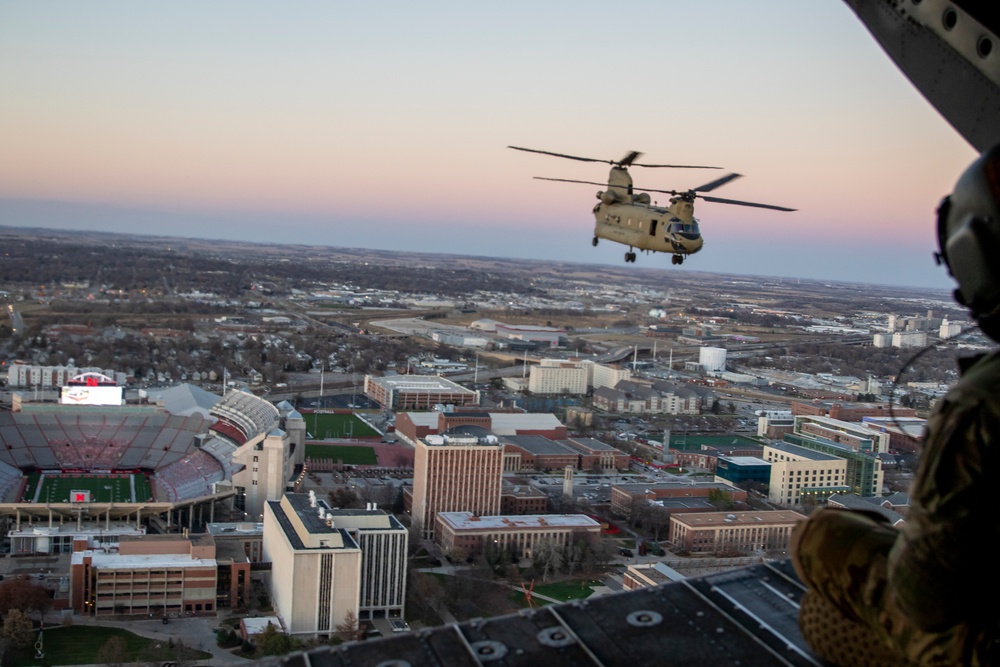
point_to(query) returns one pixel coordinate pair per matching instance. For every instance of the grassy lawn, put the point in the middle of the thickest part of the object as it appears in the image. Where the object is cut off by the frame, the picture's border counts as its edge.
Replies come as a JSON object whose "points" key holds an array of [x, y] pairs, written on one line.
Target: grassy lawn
{"points": [[574, 589], [349, 454], [79, 644]]}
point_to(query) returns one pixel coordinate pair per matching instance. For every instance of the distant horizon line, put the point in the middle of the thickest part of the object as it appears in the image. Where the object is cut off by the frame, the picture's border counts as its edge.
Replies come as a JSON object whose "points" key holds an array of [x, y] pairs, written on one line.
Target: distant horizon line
{"points": [[32, 230]]}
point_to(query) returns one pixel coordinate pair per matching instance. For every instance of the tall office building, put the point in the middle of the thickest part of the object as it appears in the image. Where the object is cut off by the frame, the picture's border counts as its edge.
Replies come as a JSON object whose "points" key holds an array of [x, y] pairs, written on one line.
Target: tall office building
{"points": [[456, 473], [383, 541], [315, 576]]}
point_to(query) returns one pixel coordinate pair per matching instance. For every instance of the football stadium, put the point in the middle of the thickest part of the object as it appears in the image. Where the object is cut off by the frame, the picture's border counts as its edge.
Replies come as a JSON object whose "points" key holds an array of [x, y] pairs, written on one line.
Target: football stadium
{"points": [[185, 458]]}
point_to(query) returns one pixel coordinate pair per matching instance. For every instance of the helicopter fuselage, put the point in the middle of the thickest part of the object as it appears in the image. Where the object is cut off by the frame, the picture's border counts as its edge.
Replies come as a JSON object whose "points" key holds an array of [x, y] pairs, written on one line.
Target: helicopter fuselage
{"points": [[647, 227], [624, 217]]}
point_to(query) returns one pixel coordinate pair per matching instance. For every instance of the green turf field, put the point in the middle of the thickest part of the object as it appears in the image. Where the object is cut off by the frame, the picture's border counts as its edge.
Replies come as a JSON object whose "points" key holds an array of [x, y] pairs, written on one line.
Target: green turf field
{"points": [[681, 441], [348, 454], [106, 488], [327, 425]]}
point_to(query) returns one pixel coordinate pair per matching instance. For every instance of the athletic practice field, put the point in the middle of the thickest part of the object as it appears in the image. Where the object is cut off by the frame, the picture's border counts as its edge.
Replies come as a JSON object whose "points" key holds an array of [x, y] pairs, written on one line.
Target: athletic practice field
{"points": [[354, 455], [328, 425], [107, 487], [686, 442]]}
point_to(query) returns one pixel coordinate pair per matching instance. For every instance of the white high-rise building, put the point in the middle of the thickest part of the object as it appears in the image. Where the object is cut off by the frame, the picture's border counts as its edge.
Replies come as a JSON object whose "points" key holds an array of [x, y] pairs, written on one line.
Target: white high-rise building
{"points": [[553, 376], [315, 579], [949, 329], [909, 339]]}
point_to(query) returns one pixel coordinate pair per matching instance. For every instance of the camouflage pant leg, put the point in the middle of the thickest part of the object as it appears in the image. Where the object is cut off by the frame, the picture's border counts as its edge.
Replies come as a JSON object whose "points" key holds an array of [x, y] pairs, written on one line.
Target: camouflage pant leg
{"points": [[843, 556], [840, 641]]}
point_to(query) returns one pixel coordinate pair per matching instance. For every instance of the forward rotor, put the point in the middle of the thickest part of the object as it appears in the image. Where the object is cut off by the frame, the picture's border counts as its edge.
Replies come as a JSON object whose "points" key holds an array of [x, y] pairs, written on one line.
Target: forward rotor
{"points": [[692, 194]]}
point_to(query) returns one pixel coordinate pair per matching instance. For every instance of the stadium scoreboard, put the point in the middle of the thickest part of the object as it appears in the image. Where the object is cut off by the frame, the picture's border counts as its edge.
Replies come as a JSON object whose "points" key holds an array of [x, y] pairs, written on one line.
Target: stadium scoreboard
{"points": [[79, 496]]}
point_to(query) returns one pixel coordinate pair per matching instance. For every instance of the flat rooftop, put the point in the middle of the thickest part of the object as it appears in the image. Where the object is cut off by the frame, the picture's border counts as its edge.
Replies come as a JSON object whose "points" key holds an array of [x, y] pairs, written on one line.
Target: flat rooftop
{"points": [[591, 443], [309, 517], [467, 521], [746, 617], [711, 519], [538, 445], [104, 560], [248, 528], [502, 423], [802, 452], [746, 460], [419, 383]]}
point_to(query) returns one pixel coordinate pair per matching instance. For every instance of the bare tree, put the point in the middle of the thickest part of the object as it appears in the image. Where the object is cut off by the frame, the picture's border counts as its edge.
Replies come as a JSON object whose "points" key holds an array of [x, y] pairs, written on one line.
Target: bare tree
{"points": [[546, 556], [574, 555], [603, 550], [350, 629]]}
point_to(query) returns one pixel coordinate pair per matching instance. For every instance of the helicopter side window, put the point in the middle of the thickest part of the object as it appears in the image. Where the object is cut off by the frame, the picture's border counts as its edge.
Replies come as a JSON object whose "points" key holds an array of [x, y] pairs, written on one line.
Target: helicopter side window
{"points": [[652, 227]]}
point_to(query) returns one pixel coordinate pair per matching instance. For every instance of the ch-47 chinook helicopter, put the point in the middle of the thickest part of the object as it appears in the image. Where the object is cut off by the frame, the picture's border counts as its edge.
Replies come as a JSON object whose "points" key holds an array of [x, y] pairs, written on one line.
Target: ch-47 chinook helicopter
{"points": [[628, 218]]}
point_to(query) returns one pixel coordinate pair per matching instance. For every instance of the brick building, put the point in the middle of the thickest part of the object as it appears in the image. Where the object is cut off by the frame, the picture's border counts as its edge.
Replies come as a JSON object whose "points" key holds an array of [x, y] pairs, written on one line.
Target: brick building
{"points": [[468, 533], [156, 575], [727, 532]]}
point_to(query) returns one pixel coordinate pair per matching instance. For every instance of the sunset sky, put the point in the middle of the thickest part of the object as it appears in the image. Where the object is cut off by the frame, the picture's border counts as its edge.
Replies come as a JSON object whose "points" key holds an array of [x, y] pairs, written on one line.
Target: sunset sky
{"points": [[385, 125]]}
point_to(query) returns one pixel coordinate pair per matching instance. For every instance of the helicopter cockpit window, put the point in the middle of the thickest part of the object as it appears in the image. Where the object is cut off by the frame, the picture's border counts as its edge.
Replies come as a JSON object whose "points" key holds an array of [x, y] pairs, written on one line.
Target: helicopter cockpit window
{"points": [[684, 227]]}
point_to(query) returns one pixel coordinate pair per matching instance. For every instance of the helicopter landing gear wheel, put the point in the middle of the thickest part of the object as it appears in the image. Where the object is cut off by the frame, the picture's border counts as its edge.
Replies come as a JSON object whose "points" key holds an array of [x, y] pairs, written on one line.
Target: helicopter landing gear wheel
{"points": [[677, 259], [594, 242], [629, 257]]}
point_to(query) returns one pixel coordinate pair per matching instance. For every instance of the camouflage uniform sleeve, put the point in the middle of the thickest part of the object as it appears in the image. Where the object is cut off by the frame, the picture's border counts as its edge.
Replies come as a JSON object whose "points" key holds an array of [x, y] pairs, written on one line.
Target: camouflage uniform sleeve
{"points": [[936, 568]]}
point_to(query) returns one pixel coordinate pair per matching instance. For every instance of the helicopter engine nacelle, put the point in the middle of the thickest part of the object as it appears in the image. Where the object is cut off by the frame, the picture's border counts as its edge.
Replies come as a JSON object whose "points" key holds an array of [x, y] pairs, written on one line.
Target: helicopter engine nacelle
{"points": [[608, 196], [642, 198]]}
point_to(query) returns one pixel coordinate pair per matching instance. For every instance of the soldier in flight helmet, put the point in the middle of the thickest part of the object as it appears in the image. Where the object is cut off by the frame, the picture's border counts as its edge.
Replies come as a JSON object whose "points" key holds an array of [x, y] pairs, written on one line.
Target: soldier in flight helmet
{"points": [[925, 593]]}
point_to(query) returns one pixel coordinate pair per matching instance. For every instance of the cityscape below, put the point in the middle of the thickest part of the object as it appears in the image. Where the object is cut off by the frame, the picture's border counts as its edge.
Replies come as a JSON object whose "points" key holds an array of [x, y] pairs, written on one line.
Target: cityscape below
{"points": [[276, 448]]}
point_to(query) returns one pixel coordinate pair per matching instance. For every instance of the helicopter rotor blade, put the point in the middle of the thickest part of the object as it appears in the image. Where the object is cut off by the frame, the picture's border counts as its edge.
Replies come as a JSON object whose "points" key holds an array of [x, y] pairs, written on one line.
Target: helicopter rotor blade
{"points": [[719, 182], [568, 157], [628, 161], [718, 200], [567, 180], [672, 166], [737, 202]]}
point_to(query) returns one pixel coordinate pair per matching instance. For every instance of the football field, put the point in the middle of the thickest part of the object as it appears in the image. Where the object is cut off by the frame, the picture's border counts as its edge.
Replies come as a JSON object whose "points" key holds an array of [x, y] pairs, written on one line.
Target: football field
{"points": [[103, 488]]}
